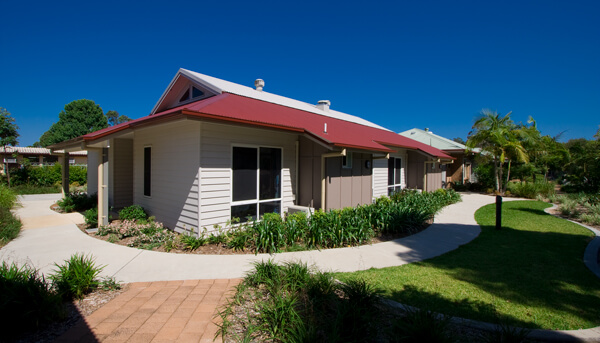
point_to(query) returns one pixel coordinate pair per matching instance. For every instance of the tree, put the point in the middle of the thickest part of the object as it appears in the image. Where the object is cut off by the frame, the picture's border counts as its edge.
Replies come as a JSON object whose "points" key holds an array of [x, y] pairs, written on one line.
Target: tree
{"points": [[8, 134], [78, 118], [497, 137], [114, 118], [583, 170], [459, 140]]}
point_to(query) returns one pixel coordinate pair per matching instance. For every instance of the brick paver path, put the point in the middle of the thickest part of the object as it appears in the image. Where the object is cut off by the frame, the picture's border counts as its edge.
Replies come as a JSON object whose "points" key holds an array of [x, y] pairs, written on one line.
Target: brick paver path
{"points": [[163, 311]]}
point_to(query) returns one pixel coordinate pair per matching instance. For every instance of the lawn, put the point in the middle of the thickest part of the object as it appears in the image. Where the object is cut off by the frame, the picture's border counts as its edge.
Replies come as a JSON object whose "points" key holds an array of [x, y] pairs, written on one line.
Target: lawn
{"points": [[529, 274]]}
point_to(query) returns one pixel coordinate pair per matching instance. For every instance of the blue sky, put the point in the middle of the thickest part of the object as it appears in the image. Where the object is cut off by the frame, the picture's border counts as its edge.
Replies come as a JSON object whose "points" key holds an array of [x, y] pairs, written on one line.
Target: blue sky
{"points": [[399, 64]]}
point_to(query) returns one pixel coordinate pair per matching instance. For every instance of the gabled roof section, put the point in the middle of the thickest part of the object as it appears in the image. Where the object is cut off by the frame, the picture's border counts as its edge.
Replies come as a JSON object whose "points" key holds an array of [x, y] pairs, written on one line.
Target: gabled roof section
{"points": [[218, 86], [436, 141], [242, 105]]}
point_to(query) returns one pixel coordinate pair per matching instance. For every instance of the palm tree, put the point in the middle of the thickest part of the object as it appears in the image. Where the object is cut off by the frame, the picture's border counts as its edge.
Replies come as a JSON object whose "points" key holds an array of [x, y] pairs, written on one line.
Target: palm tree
{"points": [[497, 137]]}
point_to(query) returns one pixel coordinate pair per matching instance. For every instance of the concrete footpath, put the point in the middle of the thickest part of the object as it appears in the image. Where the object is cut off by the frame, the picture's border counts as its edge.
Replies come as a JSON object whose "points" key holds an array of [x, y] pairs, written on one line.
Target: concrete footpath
{"points": [[175, 297], [49, 238]]}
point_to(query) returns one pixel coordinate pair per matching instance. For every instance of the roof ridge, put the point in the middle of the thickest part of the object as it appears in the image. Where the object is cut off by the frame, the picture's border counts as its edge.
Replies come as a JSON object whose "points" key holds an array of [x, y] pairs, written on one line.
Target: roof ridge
{"points": [[249, 92]]}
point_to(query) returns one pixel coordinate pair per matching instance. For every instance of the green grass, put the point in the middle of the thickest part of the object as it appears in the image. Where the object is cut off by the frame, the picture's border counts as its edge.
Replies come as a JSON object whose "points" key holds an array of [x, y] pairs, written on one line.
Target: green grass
{"points": [[528, 274]]}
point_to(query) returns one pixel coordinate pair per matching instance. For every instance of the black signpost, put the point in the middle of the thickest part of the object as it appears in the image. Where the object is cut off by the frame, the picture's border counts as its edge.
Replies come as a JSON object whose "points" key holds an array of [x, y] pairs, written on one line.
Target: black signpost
{"points": [[498, 212]]}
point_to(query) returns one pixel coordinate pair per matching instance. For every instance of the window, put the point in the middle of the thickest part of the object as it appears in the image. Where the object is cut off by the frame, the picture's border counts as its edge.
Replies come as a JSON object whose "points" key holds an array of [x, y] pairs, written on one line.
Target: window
{"points": [[147, 170], [347, 161], [191, 93], [256, 183], [50, 159], [394, 175]]}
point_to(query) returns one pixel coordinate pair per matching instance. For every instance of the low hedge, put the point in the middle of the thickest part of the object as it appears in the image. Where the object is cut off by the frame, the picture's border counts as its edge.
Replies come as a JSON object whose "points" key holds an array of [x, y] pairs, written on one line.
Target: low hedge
{"points": [[46, 175]]}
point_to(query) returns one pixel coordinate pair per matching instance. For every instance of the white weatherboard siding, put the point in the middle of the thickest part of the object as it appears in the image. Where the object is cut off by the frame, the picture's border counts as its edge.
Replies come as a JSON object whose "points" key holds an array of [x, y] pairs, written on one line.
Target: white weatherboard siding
{"points": [[92, 170], [174, 180], [380, 175], [215, 172]]}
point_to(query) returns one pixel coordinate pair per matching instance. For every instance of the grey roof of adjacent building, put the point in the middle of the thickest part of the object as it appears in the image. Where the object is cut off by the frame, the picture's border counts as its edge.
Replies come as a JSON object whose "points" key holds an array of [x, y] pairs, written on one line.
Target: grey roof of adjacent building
{"points": [[436, 141], [36, 151]]}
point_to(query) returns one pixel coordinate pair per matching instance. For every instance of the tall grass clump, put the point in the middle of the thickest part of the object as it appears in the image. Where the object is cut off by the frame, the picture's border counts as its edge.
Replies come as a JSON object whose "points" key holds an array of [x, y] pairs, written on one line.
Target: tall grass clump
{"points": [[292, 303], [28, 301], [77, 277], [404, 212], [10, 226]]}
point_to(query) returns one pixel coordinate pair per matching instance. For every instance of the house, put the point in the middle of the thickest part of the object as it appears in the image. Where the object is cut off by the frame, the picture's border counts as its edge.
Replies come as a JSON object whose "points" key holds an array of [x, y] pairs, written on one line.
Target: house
{"points": [[461, 170], [16, 156], [211, 150]]}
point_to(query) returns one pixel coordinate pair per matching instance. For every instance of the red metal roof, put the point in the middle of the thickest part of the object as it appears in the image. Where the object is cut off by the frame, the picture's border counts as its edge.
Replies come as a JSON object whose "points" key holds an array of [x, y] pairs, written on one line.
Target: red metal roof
{"points": [[239, 109]]}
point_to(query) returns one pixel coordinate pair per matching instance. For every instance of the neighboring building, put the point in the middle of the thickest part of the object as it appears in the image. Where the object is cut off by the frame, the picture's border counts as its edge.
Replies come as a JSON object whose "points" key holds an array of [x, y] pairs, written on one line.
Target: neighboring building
{"points": [[461, 170], [211, 150], [16, 156]]}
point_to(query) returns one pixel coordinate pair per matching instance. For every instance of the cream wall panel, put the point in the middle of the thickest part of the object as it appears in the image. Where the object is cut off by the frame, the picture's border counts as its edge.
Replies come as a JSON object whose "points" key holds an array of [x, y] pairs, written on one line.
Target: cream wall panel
{"points": [[175, 161]]}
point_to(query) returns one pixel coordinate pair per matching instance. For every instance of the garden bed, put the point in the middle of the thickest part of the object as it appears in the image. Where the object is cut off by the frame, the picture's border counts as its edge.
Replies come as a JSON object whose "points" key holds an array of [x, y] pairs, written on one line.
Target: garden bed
{"points": [[402, 214], [224, 249]]}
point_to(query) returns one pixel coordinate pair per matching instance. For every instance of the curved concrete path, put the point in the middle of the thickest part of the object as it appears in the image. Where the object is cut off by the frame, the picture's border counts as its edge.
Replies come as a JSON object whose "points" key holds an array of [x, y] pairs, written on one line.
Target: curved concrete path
{"points": [[49, 238]]}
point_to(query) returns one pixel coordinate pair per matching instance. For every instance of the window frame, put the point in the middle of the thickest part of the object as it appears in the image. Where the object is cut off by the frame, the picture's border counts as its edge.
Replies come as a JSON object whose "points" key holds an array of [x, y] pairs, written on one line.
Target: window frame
{"points": [[147, 173], [394, 187], [190, 92], [347, 161], [257, 199]]}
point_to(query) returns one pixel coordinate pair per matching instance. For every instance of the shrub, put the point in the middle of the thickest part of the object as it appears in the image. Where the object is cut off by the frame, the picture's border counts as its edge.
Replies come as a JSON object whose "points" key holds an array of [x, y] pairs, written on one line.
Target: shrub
{"points": [[28, 301], [77, 202], [592, 219], [10, 226], [568, 208], [134, 212], [422, 326], [146, 235], [531, 189], [91, 217], [46, 175], [77, 277], [503, 333]]}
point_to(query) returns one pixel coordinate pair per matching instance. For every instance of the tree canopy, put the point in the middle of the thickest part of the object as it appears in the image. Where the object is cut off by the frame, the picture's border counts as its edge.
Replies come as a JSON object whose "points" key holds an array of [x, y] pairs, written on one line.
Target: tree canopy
{"points": [[8, 133], [78, 118], [8, 129], [115, 118], [499, 138]]}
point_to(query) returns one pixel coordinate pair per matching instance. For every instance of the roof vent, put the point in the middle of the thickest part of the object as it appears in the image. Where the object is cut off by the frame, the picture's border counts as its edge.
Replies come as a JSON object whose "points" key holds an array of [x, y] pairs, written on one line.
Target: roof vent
{"points": [[324, 105], [259, 84], [426, 129]]}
